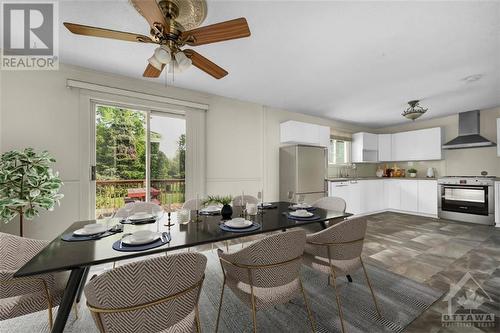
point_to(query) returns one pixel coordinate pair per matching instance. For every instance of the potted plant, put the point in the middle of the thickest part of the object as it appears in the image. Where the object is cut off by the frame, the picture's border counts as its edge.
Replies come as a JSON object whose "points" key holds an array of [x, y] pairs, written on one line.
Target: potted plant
{"points": [[412, 172], [225, 201], [27, 184]]}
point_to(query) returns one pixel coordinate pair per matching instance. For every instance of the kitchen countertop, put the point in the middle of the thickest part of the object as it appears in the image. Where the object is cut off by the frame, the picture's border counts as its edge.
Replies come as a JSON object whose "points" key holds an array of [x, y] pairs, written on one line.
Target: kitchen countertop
{"points": [[338, 179]]}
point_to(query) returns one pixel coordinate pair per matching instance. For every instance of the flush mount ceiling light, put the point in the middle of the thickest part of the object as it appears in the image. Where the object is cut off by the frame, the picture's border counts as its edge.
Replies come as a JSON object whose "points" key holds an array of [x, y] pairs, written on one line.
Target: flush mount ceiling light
{"points": [[414, 111], [472, 78]]}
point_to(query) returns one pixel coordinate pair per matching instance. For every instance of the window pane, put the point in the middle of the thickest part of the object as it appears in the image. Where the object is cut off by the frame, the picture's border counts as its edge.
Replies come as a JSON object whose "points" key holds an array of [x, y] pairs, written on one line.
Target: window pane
{"points": [[340, 152]]}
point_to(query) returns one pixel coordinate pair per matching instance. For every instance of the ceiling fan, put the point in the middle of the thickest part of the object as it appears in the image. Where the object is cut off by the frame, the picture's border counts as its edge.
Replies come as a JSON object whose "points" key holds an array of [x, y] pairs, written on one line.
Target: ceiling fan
{"points": [[174, 24]]}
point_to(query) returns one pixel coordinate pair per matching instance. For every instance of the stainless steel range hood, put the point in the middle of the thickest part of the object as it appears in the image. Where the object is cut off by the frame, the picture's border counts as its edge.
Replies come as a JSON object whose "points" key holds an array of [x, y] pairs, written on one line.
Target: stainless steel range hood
{"points": [[468, 133]]}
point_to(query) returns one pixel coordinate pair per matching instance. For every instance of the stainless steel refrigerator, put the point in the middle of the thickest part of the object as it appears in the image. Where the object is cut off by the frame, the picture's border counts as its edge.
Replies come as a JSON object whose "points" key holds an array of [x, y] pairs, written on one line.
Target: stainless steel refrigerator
{"points": [[303, 171]]}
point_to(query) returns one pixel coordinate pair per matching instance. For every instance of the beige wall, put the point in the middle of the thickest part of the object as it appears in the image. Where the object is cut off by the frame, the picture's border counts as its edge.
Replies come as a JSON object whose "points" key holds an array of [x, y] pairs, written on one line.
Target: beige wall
{"points": [[38, 110], [461, 161]]}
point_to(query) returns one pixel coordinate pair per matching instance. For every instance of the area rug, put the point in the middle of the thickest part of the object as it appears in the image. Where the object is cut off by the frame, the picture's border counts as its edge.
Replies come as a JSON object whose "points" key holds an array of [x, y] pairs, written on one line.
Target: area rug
{"points": [[401, 301]]}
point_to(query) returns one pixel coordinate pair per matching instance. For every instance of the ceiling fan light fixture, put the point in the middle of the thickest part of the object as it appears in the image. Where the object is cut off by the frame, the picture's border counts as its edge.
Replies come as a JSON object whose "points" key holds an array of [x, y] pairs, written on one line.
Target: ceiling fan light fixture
{"points": [[163, 54], [414, 110], [153, 61], [182, 61]]}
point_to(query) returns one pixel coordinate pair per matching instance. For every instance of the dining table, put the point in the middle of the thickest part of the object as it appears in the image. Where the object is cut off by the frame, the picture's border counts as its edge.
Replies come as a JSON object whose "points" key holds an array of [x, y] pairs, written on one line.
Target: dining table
{"points": [[78, 257]]}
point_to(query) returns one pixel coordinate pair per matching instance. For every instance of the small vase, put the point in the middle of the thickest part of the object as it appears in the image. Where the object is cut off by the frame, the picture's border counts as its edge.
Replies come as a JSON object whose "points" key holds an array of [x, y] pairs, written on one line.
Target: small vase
{"points": [[226, 212], [413, 175]]}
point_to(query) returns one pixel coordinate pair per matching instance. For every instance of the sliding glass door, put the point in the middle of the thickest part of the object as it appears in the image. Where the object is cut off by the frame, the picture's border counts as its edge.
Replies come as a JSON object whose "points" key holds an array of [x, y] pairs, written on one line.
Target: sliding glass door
{"points": [[139, 156]]}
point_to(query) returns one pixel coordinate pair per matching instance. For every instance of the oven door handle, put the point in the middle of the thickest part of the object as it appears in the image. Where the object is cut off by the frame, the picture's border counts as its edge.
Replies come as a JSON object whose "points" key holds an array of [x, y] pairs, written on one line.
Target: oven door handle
{"points": [[467, 187]]}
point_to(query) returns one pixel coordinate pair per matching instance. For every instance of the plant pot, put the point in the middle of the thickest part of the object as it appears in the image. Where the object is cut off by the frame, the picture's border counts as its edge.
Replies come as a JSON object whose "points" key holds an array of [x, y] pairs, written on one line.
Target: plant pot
{"points": [[413, 175], [226, 212]]}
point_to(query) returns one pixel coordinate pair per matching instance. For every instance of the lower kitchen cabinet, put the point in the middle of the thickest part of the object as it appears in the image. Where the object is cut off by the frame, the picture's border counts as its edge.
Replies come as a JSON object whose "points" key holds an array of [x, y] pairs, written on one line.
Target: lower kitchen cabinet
{"points": [[427, 197], [405, 195], [409, 195]]}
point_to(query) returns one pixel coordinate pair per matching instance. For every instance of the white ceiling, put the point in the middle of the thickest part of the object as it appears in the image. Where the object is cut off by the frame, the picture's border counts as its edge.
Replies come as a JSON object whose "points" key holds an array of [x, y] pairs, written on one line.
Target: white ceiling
{"points": [[353, 61]]}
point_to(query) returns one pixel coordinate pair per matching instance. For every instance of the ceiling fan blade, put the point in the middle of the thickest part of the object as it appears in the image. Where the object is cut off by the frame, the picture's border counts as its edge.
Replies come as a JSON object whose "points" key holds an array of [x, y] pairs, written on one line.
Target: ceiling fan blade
{"points": [[205, 65], [152, 71], [106, 33], [150, 10], [218, 32]]}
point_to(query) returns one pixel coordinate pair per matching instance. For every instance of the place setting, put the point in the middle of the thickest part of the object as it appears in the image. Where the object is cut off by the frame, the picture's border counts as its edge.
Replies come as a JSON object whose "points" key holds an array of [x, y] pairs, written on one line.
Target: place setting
{"points": [[92, 231], [239, 224], [140, 218], [301, 215], [141, 240]]}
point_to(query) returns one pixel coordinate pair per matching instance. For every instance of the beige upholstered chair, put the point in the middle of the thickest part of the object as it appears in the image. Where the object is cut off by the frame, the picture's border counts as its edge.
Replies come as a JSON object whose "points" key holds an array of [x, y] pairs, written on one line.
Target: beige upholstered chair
{"points": [[331, 203], [21, 296], [237, 200], [138, 207], [154, 295], [191, 204], [266, 273], [337, 251]]}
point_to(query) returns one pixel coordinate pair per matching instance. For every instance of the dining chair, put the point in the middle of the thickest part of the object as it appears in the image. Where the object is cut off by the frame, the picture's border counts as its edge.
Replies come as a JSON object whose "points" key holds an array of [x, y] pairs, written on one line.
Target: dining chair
{"points": [[138, 207], [239, 199], [154, 295], [191, 204], [266, 273], [336, 251], [331, 203], [21, 296]]}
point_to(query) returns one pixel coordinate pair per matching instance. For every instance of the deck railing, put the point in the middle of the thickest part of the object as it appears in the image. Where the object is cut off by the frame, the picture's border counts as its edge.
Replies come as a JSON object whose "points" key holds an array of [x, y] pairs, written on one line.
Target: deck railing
{"points": [[113, 194]]}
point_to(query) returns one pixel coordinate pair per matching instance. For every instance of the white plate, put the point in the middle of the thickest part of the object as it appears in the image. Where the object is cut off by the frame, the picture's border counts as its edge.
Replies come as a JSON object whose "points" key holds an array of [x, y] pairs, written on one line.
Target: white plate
{"points": [[83, 232], [238, 223], [141, 217], [306, 214], [301, 206], [211, 209], [134, 240], [265, 204]]}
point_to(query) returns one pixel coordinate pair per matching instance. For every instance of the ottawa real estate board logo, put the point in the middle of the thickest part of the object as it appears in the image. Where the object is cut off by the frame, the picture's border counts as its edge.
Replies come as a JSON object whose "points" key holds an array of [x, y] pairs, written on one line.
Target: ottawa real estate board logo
{"points": [[29, 35]]}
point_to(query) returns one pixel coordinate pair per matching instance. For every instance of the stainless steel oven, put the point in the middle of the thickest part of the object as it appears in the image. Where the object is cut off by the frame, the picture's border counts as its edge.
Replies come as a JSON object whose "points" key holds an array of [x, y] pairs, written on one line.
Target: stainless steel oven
{"points": [[468, 199]]}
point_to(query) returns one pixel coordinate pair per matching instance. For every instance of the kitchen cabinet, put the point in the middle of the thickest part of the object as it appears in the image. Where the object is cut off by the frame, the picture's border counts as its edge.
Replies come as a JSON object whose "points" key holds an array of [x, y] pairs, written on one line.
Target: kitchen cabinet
{"points": [[350, 192], [409, 195], [417, 145], [384, 147], [374, 195], [364, 147], [427, 197], [392, 194], [296, 132], [371, 195]]}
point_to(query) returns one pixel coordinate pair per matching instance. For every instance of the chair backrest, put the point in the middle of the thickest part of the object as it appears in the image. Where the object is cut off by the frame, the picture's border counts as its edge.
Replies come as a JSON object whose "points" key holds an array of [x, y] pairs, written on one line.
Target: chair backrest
{"points": [[15, 251], [237, 200], [331, 203], [191, 204], [344, 240], [274, 260], [138, 207], [173, 282]]}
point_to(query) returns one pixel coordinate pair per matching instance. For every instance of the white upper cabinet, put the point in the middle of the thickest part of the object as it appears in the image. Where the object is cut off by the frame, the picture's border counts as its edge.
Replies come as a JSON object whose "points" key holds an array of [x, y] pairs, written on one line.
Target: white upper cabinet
{"points": [[364, 147], [296, 132], [385, 147], [417, 145]]}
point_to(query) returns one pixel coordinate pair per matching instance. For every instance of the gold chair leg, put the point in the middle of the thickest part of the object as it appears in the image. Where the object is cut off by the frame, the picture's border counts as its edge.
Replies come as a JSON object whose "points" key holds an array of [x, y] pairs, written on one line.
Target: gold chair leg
{"points": [[114, 264], [220, 305], [51, 320], [197, 319], [371, 289], [338, 301], [75, 308], [227, 246], [254, 311], [309, 314]]}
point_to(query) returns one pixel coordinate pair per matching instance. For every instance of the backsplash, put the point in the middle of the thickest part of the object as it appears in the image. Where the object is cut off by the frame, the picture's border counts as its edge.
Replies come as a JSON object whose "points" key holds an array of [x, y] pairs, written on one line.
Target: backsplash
{"points": [[369, 169]]}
